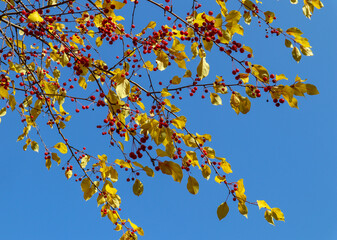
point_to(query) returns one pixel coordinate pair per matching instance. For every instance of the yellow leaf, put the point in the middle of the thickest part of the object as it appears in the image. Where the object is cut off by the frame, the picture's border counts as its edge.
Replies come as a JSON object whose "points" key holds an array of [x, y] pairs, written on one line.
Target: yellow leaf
{"points": [[294, 32], [206, 171], [151, 25], [288, 44], [203, 68], [280, 77], [3, 92], [99, 41], [208, 44], [191, 157], [248, 49], [311, 89], [77, 39], [34, 146], [113, 174], [239, 103], [35, 17], [179, 122], [161, 153], [219, 88], [187, 74], [118, 227], [123, 89], [165, 93], [268, 217], [162, 60], [243, 209], [192, 185], [173, 169], [82, 83], [277, 214], [98, 20], [138, 187], [91, 33], [262, 204], [3, 111], [113, 216], [269, 16], [222, 4], [215, 99], [261, 73], [12, 102], [64, 60], [68, 173], [148, 65], [219, 179], [177, 46], [247, 17], [84, 161], [222, 210], [61, 147], [56, 158], [194, 49], [176, 80], [148, 171], [235, 102], [233, 16], [85, 185], [111, 190], [241, 187], [226, 167], [288, 94], [306, 51], [296, 54], [48, 163], [123, 163]]}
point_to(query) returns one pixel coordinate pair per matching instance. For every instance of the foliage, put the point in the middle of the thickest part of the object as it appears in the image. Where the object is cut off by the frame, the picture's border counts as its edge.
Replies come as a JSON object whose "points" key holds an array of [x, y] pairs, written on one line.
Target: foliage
{"points": [[43, 41]]}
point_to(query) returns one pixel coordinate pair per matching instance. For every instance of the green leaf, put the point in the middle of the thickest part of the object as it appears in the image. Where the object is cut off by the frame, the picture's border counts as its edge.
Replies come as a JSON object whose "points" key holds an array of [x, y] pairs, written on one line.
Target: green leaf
{"points": [[222, 210]]}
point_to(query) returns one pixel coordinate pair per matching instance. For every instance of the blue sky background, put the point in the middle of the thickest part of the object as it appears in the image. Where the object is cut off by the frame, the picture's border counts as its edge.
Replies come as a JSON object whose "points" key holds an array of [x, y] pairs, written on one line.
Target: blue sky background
{"points": [[286, 157]]}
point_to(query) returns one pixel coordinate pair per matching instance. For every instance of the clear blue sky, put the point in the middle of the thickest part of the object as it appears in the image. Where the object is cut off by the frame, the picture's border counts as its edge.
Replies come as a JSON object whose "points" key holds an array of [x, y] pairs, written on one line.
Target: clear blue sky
{"points": [[286, 157]]}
